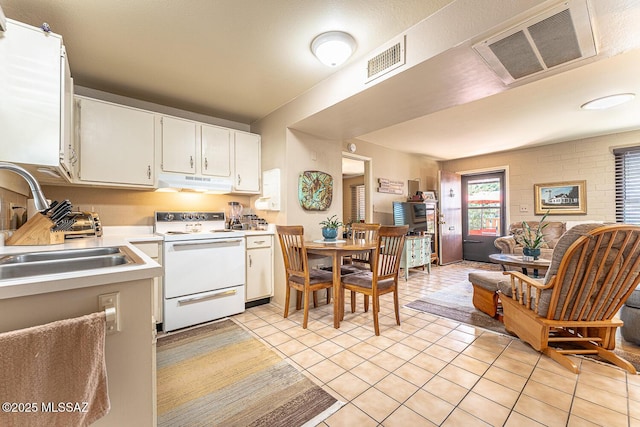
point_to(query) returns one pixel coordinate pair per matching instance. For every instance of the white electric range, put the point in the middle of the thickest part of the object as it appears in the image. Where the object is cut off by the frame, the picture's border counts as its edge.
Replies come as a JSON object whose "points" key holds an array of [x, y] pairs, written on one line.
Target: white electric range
{"points": [[204, 268]]}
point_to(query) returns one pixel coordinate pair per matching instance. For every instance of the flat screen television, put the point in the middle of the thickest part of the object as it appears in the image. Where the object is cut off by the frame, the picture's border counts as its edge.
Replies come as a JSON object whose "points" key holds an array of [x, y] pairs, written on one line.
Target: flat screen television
{"points": [[413, 214]]}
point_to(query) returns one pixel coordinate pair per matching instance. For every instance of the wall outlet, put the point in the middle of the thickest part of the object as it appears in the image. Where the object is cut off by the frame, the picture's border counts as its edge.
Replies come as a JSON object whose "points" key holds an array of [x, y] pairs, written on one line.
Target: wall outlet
{"points": [[524, 208]]}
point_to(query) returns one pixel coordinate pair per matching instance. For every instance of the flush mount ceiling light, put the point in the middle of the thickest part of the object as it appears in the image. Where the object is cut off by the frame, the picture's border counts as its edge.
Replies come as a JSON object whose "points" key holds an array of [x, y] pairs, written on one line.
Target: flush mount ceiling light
{"points": [[608, 101], [333, 48]]}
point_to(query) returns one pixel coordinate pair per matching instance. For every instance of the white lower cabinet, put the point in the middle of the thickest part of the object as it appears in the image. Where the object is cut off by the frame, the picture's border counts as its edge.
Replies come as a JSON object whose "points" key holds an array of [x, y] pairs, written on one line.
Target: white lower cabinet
{"points": [[116, 143], [154, 251], [259, 280]]}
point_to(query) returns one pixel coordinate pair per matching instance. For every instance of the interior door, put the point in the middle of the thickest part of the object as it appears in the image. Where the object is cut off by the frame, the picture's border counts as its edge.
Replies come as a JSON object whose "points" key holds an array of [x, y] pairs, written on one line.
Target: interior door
{"points": [[450, 218], [483, 214]]}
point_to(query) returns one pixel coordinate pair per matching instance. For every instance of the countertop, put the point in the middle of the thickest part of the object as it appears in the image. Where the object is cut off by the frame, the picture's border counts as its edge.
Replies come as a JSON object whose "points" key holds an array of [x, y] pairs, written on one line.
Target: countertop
{"points": [[112, 236], [25, 286]]}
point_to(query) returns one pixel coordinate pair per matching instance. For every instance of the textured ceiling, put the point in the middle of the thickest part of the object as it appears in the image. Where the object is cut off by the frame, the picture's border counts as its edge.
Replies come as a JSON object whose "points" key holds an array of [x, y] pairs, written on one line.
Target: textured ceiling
{"points": [[242, 59], [233, 59]]}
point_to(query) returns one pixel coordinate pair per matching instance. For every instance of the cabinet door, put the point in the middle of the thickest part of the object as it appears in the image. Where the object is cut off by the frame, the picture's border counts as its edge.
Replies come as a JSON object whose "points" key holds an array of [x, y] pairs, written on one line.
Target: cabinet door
{"points": [[247, 162], [259, 273], [68, 156], [216, 151], [30, 95], [178, 145], [116, 143]]}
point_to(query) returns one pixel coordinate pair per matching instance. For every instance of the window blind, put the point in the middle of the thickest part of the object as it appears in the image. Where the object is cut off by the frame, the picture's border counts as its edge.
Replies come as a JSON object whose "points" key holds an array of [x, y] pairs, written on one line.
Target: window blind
{"points": [[627, 166], [357, 203]]}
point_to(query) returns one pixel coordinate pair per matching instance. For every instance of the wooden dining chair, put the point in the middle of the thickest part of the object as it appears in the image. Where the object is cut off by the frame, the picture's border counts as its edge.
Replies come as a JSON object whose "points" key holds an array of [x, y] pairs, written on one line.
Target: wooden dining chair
{"points": [[361, 261], [383, 276], [363, 231], [594, 269], [297, 272]]}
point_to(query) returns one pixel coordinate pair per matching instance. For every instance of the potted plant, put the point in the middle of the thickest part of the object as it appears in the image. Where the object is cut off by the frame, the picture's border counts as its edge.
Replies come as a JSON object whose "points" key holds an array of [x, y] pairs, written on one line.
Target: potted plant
{"points": [[532, 239], [330, 227]]}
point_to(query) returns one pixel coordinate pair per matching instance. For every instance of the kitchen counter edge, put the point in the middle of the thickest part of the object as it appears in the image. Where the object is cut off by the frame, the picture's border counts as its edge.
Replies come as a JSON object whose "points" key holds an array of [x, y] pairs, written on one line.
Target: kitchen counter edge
{"points": [[55, 282]]}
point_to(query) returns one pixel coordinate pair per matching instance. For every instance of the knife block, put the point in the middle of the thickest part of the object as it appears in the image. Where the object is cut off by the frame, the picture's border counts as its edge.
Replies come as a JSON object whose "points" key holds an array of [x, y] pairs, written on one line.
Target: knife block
{"points": [[36, 231]]}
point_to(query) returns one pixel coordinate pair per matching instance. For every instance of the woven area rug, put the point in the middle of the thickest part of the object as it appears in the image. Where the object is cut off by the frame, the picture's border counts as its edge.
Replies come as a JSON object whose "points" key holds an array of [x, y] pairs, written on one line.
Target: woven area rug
{"points": [[456, 303], [219, 375]]}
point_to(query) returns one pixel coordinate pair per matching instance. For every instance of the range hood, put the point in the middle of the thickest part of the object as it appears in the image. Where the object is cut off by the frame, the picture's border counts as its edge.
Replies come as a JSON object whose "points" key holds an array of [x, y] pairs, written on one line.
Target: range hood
{"points": [[219, 185]]}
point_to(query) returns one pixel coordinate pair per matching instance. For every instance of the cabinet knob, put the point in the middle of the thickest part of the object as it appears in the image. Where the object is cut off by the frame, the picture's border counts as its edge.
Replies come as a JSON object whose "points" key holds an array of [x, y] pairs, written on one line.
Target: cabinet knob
{"points": [[149, 171], [239, 179], [191, 161], [206, 164]]}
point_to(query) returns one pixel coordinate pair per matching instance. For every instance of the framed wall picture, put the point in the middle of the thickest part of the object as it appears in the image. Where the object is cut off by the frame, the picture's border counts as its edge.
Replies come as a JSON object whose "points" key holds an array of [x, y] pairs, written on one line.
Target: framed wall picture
{"points": [[561, 198], [429, 195], [315, 190]]}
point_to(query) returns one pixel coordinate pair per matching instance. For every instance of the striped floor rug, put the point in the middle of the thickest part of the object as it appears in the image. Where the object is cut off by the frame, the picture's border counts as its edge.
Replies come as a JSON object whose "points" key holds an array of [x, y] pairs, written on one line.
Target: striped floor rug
{"points": [[219, 375]]}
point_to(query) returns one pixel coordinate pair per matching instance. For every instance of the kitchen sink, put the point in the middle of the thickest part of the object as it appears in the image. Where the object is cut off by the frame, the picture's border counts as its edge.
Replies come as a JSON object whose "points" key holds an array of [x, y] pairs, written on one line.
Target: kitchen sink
{"points": [[57, 255], [53, 262]]}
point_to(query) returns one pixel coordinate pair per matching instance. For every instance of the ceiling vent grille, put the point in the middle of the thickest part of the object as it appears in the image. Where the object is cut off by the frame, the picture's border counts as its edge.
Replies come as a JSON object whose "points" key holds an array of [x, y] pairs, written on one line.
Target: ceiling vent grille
{"points": [[558, 37], [387, 60]]}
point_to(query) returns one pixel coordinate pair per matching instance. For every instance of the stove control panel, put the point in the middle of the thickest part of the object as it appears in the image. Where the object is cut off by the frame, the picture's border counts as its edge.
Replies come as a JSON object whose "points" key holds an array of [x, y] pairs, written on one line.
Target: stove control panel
{"points": [[188, 222], [189, 216]]}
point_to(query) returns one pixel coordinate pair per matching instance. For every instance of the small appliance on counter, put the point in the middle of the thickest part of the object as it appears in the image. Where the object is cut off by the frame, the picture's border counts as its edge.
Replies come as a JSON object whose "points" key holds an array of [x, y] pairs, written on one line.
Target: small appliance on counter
{"points": [[81, 224], [235, 216], [254, 222]]}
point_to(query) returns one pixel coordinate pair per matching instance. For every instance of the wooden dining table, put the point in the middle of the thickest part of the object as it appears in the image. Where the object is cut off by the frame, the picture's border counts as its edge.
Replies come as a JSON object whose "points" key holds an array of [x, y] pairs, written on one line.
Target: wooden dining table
{"points": [[336, 250]]}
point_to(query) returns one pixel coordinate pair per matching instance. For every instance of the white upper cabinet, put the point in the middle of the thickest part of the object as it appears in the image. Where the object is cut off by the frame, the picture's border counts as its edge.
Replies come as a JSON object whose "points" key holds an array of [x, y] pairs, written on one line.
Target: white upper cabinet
{"points": [[35, 85], [179, 142], [246, 162], [216, 151], [116, 143]]}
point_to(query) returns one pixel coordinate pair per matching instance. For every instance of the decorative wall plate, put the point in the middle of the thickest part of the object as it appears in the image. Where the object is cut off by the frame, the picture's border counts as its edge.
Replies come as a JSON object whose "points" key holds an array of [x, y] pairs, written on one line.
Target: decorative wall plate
{"points": [[315, 190]]}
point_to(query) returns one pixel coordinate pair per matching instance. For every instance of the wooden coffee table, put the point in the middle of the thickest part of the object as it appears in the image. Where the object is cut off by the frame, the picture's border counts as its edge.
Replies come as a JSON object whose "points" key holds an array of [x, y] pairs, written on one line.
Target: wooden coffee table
{"points": [[517, 261]]}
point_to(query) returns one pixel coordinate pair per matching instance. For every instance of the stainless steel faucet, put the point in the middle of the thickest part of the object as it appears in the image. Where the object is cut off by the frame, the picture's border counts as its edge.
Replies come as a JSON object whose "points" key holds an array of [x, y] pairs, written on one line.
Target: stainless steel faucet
{"points": [[39, 201]]}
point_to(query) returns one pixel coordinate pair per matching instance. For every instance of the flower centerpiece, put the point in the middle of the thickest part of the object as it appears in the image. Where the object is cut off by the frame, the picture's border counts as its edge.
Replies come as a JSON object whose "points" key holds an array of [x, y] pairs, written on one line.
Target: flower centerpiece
{"points": [[330, 227], [533, 238]]}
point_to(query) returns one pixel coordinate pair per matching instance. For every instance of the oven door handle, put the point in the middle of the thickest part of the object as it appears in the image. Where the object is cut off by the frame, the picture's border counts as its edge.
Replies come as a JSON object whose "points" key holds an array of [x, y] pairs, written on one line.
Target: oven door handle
{"points": [[205, 244], [216, 295]]}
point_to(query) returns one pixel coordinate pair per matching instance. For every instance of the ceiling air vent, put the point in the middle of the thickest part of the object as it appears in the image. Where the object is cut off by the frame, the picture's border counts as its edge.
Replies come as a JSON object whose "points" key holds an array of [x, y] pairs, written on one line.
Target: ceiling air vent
{"points": [[387, 60], [558, 37]]}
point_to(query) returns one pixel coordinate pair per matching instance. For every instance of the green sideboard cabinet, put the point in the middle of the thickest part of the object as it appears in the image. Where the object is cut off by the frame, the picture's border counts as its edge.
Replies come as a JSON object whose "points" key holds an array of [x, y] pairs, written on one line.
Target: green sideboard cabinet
{"points": [[416, 253]]}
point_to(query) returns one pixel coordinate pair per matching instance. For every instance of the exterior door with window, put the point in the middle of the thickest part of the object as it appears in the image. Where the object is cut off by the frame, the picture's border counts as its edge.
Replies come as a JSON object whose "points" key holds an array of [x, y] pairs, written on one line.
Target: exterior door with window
{"points": [[483, 214]]}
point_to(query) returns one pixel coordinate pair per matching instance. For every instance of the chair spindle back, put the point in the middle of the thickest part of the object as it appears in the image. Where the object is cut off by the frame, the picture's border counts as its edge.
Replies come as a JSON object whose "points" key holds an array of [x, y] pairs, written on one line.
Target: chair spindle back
{"points": [[597, 273]]}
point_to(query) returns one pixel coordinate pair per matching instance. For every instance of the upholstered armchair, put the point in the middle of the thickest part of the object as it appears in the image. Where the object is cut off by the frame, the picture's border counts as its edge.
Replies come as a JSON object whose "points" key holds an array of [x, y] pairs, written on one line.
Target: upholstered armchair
{"points": [[512, 243], [594, 269]]}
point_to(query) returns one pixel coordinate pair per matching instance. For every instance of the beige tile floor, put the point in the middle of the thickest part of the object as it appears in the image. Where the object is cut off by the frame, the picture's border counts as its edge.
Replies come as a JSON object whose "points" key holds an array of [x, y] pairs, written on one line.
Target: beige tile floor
{"points": [[432, 371]]}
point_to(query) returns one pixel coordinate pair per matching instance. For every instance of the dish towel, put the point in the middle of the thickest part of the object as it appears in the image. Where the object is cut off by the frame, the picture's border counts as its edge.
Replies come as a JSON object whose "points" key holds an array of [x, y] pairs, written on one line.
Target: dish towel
{"points": [[54, 374]]}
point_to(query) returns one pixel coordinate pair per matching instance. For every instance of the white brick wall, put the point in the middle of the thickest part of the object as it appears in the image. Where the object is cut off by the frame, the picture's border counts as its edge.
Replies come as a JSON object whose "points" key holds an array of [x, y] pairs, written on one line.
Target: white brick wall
{"points": [[588, 159]]}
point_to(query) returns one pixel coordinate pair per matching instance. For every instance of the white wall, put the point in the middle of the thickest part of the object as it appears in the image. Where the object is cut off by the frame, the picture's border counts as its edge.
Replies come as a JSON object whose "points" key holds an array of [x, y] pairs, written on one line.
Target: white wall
{"points": [[589, 159], [294, 152]]}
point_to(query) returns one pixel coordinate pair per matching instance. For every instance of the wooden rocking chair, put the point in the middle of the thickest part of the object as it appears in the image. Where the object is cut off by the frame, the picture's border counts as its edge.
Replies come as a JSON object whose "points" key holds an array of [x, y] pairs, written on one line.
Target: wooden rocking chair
{"points": [[594, 269]]}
